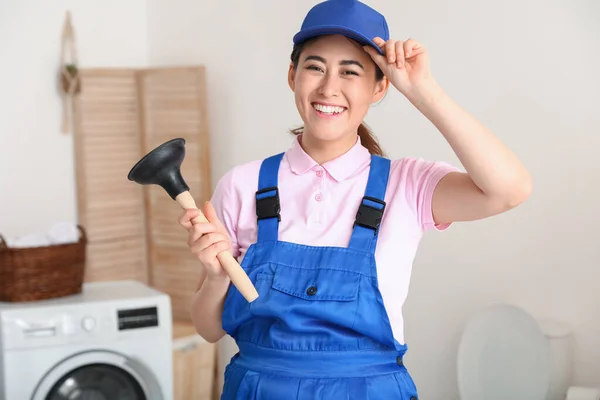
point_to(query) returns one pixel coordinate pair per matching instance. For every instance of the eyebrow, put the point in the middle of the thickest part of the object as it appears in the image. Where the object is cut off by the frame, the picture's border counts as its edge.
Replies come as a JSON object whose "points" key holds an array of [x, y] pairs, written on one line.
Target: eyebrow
{"points": [[343, 62]]}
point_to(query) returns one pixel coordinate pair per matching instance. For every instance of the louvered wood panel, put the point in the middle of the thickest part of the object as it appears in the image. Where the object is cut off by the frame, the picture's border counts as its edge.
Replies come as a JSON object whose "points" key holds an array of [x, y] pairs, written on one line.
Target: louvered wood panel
{"points": [[108, 144], [173, 104], [117, 259]]}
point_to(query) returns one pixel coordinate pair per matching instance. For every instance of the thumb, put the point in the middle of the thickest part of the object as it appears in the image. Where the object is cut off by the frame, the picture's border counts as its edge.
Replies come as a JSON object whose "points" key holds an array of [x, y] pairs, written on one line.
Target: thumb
{"points": [[211, 215], [375, 56]]}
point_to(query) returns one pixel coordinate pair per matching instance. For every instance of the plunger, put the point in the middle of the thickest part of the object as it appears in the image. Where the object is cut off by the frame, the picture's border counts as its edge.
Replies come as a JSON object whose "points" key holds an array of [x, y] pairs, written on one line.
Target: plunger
{"points": [[162, 166]]}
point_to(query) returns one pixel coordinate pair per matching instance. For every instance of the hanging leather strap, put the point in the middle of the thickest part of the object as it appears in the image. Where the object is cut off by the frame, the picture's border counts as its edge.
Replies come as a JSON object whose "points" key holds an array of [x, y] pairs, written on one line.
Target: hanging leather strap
{"points": [[69, 83]]}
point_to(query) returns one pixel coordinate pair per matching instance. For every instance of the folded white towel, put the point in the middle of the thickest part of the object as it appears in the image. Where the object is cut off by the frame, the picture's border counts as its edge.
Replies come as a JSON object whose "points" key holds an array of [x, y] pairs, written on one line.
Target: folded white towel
{"points": [[63, 232], [59, 233], [29, 240]]}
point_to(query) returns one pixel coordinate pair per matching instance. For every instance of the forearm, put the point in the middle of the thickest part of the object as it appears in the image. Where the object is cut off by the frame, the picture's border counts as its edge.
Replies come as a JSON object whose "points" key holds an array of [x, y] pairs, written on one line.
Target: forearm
{"points": [[207, 307], [494, 169]]}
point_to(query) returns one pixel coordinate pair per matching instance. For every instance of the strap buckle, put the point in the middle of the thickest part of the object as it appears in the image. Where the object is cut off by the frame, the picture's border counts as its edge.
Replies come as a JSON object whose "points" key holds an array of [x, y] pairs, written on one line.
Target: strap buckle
{"points": [[369, 216], [268, 207]]}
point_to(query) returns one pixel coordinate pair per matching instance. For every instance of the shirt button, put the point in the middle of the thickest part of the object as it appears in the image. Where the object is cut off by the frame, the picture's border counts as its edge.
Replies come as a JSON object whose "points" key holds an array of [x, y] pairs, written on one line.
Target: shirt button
{"points": [[318, 197], [399, 361], [319, 173], [311, 291]]}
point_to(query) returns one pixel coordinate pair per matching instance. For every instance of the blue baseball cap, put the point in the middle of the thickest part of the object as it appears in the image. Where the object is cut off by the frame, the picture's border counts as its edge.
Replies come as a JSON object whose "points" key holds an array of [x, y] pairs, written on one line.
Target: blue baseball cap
{"points": [[350, 18]]}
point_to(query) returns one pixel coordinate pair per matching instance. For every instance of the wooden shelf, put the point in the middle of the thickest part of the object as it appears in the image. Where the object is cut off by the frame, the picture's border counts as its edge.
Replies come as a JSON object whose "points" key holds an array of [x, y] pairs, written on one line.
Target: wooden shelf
{"points": [[194, 364]]}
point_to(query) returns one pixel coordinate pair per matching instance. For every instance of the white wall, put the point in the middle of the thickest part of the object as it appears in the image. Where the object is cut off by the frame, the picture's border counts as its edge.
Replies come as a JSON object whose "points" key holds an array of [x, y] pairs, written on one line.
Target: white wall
{"points": [[37, 184], [527, 69]]}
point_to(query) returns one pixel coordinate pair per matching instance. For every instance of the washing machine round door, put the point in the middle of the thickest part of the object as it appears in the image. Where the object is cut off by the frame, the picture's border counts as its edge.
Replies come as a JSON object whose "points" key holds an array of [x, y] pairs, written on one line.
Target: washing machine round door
{"points": [[99, 375]]}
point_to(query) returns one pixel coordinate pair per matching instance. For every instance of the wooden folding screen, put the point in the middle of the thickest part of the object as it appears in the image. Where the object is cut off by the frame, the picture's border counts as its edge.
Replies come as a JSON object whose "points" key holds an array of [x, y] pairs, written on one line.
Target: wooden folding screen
{"points": [[173, 105], [121, 114]]}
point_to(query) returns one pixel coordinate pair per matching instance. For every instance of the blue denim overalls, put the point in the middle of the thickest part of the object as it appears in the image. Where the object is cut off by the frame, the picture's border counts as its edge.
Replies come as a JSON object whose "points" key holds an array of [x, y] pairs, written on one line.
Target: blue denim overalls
{"points": [[319, 329]]}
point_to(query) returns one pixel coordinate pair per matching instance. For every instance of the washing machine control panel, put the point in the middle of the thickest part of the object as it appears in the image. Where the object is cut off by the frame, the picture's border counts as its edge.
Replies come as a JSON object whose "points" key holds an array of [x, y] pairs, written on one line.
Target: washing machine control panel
{"points": [[40, 327], [136, 318]]}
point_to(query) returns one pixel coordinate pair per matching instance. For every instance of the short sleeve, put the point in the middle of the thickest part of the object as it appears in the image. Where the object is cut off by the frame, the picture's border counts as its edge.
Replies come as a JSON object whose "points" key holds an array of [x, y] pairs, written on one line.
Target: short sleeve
{"points": [[421, 178], [226, 202]]}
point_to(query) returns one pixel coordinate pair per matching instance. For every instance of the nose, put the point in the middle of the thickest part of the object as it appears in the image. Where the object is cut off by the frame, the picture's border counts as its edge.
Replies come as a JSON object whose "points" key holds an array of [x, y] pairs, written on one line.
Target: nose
{"points": [[330, 85]]}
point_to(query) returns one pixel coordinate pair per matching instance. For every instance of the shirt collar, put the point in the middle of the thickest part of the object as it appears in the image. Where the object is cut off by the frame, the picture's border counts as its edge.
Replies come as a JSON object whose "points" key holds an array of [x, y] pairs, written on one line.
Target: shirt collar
{"points": [[339, 168]]}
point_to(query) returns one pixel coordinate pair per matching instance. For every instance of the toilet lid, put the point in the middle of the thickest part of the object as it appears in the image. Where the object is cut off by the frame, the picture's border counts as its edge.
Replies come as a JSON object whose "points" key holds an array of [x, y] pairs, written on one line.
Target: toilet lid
{"points": [[503, 355]]}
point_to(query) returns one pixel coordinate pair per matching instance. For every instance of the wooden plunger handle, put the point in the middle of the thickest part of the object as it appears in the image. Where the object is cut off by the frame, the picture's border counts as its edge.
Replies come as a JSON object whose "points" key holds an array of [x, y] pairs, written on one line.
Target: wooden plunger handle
{"points": [[230, 265]]}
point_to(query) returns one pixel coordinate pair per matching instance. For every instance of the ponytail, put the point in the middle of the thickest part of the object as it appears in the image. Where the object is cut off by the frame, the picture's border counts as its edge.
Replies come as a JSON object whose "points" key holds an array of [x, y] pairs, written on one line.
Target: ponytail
{"points": [[367, 139]]}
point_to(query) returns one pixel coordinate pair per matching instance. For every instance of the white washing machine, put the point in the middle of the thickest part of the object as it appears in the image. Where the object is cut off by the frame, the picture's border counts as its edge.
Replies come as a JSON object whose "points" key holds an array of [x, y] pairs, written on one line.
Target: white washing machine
{"points": [[111, 342]]}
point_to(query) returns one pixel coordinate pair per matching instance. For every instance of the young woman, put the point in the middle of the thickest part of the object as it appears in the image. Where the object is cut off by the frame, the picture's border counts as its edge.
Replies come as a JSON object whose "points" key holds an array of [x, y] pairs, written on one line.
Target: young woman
{"points": [[327, 231]]}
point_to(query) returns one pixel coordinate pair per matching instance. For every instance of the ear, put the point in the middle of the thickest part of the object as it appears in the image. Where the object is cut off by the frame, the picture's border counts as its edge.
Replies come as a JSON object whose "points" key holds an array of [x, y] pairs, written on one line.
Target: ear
{"points": [[381, 88], [291, 77]]}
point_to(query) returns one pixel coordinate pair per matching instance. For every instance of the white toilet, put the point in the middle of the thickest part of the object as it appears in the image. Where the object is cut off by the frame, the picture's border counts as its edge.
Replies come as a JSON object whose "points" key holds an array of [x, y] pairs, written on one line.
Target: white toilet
{"points": [[505, 353]]}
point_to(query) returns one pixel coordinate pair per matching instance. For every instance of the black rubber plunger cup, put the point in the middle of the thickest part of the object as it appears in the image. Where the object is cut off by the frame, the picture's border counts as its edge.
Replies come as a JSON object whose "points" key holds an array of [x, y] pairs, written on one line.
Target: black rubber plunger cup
{"points": [[162, 166]]}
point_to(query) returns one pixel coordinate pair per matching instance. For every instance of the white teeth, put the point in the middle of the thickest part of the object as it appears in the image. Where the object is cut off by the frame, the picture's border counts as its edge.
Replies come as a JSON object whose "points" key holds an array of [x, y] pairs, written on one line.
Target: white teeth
{"points": [[328, 109]]}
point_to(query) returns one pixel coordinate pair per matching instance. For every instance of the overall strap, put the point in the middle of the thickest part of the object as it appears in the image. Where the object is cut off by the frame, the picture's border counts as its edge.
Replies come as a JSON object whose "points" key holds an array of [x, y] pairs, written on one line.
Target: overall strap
{"points": [[267, 199], [370, 212]]}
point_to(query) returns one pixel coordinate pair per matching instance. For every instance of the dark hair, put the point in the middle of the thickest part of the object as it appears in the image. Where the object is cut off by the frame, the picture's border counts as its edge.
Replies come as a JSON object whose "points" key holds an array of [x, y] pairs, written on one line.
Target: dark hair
{"points": [[367, 137]]}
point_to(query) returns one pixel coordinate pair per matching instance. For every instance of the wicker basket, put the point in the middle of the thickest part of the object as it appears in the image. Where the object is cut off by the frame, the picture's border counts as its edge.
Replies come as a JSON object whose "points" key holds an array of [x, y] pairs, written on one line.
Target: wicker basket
{"points": [[39, 273]]}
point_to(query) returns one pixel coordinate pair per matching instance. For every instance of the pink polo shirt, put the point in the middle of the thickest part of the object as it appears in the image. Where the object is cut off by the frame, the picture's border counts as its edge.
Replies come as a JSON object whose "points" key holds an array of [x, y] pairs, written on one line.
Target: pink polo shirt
{"points": [[319, 204]]}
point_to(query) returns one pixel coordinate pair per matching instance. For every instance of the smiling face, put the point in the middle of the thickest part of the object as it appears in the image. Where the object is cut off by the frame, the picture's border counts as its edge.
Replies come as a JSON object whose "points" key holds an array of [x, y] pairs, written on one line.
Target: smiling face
{"points": [[334, 83]]}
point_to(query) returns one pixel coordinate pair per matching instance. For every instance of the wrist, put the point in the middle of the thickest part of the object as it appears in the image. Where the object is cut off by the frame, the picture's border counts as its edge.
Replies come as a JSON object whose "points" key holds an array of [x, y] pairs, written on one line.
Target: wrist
{"points": [[217, 280], [426, 93]]}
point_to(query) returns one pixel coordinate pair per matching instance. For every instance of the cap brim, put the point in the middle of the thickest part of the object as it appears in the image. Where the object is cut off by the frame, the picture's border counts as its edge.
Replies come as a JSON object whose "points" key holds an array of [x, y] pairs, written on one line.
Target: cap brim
{"points": [[334, 30]]}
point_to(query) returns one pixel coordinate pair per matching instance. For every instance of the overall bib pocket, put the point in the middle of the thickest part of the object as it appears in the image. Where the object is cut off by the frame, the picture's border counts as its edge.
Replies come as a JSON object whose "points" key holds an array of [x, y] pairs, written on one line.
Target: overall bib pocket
{"points": [[321, 295], [317, 284]]}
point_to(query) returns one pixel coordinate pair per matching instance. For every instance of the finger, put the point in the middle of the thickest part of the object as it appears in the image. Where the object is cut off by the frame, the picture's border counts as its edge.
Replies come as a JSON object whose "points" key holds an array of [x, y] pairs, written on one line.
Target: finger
{"points": [[205, 241], [399, 50], [186, 218], [412, 48], [212, 217], [390, 51], [375, 56], [209, 256], [379, 42], [199, 230]]}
